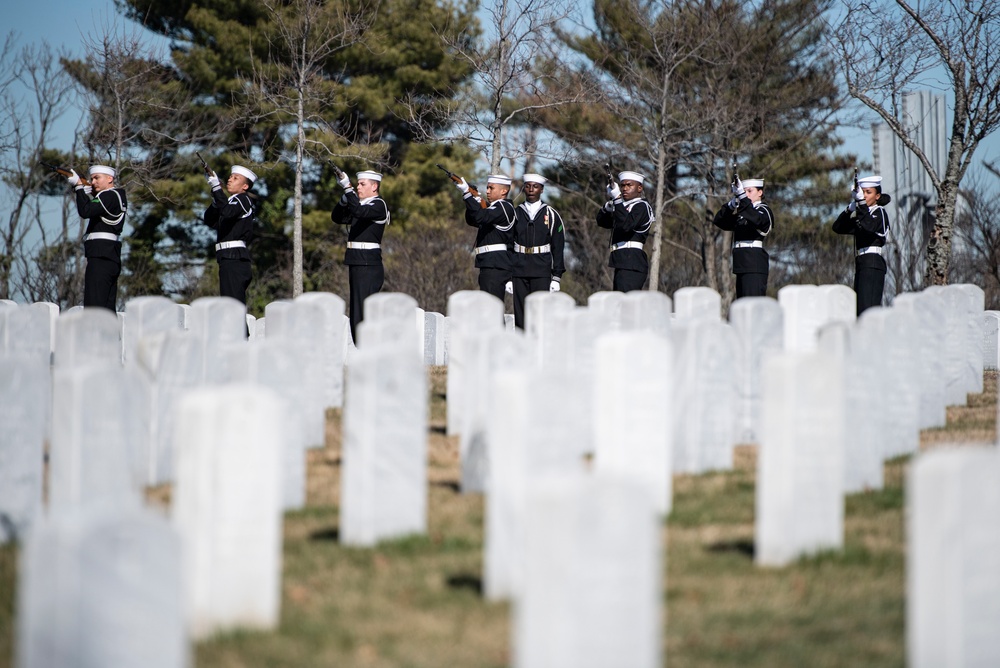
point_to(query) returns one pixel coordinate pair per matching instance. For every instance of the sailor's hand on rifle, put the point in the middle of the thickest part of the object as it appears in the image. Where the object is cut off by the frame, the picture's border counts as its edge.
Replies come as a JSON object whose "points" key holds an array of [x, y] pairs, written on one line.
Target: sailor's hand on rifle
{"points": [[734, 203], [508, 287], [738, 189], [73, 178], [344, 180], [462, 185], [614, 192], [859, 194], [213, 180], [554, 285]]}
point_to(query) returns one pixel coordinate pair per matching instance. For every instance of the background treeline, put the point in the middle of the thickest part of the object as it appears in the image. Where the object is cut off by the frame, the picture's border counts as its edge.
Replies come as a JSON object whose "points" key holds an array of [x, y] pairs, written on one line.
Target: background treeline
{"points": [[291, 87]]}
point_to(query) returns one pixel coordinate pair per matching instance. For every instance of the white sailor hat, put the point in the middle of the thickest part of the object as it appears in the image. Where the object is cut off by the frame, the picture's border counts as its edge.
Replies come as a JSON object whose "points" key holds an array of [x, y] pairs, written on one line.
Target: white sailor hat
{"points": [[631, 176], [753, 183], [499, 179], [244, 172], [370, 175], [102, 169], [535, 178], [870, 182]]}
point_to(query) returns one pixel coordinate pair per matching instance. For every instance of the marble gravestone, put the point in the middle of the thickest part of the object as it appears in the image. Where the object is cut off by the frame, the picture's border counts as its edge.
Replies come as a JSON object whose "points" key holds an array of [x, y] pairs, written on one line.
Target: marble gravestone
{"points": [[227, 506], [633, 434], [991, 340], [149, 315], [697, 303], [102, 587], [953, 558], [92, 454], [759, 326], [976, 306], [540, 309], [955, 343], [87, 336], [646, 310], [384, 471], [705, 410], [486, 355], [326, 343], [608, 305], [216, 322], [928, 311], [401, 311], [471, 313], [800, 463], [592, 577], [435, 339], [804, 313], [23, 400]]}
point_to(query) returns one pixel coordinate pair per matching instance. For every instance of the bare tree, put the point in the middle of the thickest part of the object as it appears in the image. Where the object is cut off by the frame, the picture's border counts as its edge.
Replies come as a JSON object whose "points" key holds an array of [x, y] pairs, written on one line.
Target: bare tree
{"points": [[296, 85], [888, 48], [976, 257], [514, 77], [34, 94]]}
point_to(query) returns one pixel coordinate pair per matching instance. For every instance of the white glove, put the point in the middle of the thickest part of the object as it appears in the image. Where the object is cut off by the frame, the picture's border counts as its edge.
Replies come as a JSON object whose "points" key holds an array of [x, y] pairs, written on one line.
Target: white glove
{"points": [[852, 207], [74, 179], [87, 190], [509, 287], [738, 189], [463, 186], [344, 181], [733, 203], [213, 180], [554, 285], [859, 194], [614, 192]]}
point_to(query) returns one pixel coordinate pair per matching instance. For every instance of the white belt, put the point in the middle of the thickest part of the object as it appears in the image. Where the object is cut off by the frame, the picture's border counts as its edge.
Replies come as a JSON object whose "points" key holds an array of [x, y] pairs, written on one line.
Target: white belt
{"points": [[870, 249], [626, 244], [363, 245], [105, 236], [223, 245], [748, 244], [489, 248], [547, 248]]}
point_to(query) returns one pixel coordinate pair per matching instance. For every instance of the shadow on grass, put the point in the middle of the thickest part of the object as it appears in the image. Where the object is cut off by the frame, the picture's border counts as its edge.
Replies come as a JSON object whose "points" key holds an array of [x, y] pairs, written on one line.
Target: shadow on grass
{"points": [[331, 534], [743, 547], [465, 581], [439, 430], [448, 484]]}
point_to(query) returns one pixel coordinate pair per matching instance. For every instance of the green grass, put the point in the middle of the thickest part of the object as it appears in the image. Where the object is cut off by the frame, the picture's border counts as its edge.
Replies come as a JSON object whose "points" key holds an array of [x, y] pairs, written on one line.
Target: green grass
{"points": [[416, 601]]}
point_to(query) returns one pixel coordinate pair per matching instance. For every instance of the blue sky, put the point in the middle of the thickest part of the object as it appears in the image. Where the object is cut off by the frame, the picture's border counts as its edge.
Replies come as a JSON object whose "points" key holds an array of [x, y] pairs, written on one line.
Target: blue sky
{"points": [[64, 24]]}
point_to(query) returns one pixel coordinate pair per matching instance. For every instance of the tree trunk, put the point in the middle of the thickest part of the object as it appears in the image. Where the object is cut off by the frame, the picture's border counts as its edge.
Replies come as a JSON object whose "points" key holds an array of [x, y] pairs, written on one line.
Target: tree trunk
{"points": [[297, 199], [661, 179], [939, 244]]}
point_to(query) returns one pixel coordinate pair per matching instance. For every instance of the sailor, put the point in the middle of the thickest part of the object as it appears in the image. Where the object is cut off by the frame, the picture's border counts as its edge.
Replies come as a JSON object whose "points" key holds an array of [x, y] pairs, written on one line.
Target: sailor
{"points": [[629, 218], [367, 214], [104, 205], [493, 232], [749, 219], [232, 216], [866, 218], [539, 238]]}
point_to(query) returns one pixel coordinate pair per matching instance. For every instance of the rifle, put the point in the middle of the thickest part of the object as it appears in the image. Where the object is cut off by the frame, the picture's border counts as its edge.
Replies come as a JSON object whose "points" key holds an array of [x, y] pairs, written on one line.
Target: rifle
{"points": [[65, 172], [855, 179], [607, 169], [736, 177], [472, 186], [337, 171], [208, 170]]}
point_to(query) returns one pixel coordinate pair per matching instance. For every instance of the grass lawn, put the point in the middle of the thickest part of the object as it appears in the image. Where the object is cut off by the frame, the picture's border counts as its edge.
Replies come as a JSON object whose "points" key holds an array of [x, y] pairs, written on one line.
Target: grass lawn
{"points": [[416, 602]]}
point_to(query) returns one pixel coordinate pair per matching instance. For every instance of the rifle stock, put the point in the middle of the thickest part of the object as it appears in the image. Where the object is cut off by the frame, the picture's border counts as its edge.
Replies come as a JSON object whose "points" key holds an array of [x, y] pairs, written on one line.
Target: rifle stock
{"points": [[61, 171], [204, 165], [472, 186]]}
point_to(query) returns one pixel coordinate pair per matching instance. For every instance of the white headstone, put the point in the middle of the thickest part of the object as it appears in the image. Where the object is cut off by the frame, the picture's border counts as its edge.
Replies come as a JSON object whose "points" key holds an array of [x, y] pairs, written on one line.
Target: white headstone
{"points": [[148, 315], [953, 559], [991, 341], [804, 313], [759, 325], [646, 310], [608, 304], [928, 310], [471, 313], [87, 336], [227, 504], [216, 322], [94, 429], [800, 500], [398, 312], [23, 400], [102, 587], [975, 305], [384, 471], [697, 304], [435, 338], [592, 594], [706, 400], [839, 304], [540, 309], [633, 434]]}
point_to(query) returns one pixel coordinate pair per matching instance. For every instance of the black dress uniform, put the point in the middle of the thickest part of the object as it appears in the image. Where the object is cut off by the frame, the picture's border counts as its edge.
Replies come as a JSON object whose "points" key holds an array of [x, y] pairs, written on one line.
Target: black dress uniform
{"points": [[363, 258], [749, 222], [493, 239], [102, 244], [539, 238], [870, 227], [233, 219], [629, 223]]}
